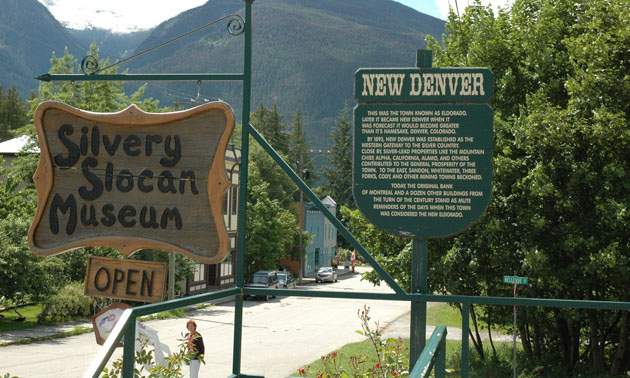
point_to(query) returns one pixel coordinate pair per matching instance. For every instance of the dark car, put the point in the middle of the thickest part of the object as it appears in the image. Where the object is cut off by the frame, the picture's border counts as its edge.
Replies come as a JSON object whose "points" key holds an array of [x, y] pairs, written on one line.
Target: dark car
{"points": [[267, 279], [286, 280]]}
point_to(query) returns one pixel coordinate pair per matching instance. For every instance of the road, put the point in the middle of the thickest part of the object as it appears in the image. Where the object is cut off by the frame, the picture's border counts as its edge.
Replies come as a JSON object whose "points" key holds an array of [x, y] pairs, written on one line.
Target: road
{"points": [[279, 336]]}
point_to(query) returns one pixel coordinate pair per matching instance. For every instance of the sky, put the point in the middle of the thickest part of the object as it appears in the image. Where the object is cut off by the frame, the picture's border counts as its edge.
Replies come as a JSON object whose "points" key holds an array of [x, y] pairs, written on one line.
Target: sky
{"points": [[125, 16]]}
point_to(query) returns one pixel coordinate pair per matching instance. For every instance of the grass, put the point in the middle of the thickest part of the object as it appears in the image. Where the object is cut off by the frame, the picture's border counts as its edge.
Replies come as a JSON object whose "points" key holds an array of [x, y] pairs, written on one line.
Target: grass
{"points": [[490, 367], [443, 314], [170, 314], [8, 321], [363, 348]]}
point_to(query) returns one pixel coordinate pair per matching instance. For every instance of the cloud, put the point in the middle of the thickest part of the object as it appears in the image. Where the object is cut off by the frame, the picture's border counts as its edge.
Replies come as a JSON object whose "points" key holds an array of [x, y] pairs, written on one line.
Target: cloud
{"points": [[117, 15]]}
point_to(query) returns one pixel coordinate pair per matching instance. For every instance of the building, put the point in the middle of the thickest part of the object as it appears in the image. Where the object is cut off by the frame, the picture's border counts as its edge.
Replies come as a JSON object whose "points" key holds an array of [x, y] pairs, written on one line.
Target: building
{"points": [[9, 149], [209, 277], [324, 246]]}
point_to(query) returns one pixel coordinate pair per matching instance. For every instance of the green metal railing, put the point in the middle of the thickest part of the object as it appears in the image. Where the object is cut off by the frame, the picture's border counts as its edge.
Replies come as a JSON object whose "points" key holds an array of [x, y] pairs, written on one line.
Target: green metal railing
{"points": [[434, 354], [423, 359], [431, 356]]}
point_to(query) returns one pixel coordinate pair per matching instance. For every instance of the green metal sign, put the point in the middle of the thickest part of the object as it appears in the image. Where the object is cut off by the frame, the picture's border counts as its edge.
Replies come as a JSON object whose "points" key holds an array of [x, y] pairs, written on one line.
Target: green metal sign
{"points": [[422, 170], [515, 280], [423, 84]]}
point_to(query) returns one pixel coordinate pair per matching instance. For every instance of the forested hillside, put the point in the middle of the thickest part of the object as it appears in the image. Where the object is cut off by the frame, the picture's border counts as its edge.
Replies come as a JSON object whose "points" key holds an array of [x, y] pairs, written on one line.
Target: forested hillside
{"points": [[304, 53], [112, 45], [29, 35]]}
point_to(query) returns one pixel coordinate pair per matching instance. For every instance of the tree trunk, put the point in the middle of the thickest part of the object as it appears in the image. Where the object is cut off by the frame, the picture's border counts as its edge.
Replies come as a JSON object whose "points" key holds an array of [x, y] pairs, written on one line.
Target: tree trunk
{"points": [[537, 340], [494, 350], [597, 347], [620, 358], [574, 351], [524, 332], [563, 332], [476, 338]]}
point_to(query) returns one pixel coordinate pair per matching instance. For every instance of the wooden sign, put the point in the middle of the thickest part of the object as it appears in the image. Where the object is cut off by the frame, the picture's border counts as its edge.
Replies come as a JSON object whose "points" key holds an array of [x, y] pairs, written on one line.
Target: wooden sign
{"points": [[134, 280], [132, 180]]}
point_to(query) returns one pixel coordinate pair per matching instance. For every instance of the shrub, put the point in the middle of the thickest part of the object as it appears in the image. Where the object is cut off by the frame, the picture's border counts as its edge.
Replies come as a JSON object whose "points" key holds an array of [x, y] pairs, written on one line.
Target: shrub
{"points": [[67, 304]]}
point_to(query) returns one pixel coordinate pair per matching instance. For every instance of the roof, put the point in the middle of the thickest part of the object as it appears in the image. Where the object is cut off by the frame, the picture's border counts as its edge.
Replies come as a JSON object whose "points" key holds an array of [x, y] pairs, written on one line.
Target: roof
{"points": [[16, 145], [329, 201]]}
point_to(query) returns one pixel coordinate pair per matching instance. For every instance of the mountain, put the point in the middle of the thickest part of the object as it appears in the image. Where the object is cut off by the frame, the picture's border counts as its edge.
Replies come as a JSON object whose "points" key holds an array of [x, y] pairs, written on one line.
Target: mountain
{"points": [[115, 46], [305, 53], [28, 36]]}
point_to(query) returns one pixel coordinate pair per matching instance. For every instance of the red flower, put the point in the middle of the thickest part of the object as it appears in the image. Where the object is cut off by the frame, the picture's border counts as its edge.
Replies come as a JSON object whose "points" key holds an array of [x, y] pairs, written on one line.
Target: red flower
{"points": [[334, 353], [378, 364], [394, 373], [302, 370]]}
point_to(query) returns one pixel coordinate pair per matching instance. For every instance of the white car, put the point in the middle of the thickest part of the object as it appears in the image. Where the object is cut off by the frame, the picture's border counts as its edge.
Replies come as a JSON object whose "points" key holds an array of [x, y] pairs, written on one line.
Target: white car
{"points": [[326, 273]]}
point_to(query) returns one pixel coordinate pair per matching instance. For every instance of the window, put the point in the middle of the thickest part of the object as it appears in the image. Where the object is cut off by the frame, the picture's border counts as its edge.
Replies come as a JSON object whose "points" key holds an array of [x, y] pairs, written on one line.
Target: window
{"points": [[234, 198], [226, 266], [225, 203], [199, 273]]}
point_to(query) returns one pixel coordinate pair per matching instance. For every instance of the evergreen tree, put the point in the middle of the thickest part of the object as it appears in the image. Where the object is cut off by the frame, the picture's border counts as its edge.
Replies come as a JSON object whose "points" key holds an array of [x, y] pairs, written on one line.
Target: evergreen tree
{"points": [[96, 96], [299, 149], [269, 123], [338, 172], [13, 113]]}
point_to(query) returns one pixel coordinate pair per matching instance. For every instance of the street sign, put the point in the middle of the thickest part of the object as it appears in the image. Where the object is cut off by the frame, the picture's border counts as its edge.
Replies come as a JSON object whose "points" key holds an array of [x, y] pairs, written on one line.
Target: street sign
{"points": [[422, 170], [515, 280], [424, 84]]}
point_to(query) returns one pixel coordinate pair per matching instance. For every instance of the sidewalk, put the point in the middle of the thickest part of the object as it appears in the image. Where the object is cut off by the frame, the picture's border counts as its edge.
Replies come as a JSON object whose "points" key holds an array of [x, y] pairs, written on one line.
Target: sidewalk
{"points": [[40, 332]]}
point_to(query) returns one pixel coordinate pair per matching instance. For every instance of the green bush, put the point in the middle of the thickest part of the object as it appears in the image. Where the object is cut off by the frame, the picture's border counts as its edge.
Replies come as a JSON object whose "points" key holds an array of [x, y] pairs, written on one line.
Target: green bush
{"points": [[67, 304]]}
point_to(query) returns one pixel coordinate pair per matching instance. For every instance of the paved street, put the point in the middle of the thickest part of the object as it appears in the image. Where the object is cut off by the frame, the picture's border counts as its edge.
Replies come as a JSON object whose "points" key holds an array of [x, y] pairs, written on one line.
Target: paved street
{"points": [[278, 336]]}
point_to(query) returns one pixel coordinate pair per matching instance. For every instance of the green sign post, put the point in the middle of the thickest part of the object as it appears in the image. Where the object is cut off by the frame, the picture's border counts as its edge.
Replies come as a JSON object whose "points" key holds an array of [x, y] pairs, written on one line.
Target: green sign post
{"points": [[422, 158], [515, 280]]}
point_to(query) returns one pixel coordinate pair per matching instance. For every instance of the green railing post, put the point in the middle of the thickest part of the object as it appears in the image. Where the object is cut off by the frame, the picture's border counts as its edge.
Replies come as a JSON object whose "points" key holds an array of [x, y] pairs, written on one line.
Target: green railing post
{"points": [[465, 331], [129, 348], [431, 356], [440, 362], [418, 328], [242, 195]]}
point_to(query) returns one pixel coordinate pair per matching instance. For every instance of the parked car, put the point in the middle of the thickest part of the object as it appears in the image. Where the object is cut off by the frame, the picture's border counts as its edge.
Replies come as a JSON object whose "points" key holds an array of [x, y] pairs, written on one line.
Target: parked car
{"points": [[326, 273], [286, 280], [267, 279]]}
